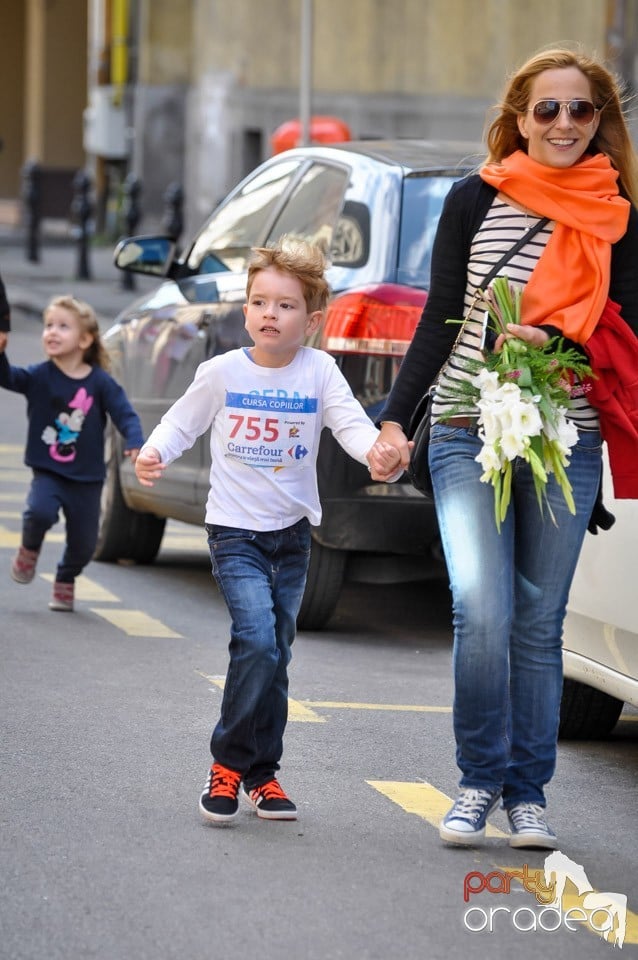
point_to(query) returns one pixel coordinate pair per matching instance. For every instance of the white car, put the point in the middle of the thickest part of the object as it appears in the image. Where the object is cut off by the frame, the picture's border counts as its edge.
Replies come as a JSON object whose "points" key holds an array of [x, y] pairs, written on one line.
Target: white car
{"points": [[600, 640]]}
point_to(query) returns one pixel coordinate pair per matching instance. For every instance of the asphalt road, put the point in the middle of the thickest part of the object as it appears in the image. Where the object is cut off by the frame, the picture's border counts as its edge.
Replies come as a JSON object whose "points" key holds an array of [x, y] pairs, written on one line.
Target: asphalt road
{"points": [[106, 715]]}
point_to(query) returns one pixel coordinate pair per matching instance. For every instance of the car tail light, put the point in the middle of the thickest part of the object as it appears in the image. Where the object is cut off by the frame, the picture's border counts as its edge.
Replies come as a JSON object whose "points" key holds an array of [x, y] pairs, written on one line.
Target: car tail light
{"points": [[376, 320]]}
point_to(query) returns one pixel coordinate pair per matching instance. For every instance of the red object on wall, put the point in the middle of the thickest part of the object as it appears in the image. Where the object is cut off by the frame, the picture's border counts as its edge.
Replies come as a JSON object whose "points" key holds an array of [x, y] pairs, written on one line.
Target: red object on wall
{"points": [[322, 130]]}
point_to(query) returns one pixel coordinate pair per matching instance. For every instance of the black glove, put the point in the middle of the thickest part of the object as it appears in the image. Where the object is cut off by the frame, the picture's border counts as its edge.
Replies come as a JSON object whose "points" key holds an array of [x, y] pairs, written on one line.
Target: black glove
{"points": [[600, 515]]}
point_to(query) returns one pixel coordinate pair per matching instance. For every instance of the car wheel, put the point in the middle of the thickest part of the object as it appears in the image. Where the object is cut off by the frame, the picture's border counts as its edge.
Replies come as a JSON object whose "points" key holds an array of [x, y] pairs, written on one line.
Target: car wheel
{"points": [[124, 534], [586, 713], [323, 586]]}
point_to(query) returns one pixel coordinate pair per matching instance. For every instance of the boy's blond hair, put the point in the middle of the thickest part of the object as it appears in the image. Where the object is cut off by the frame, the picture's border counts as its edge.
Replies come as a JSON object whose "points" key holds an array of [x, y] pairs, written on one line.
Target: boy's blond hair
{"points": [[95, 354], [300, 259]]}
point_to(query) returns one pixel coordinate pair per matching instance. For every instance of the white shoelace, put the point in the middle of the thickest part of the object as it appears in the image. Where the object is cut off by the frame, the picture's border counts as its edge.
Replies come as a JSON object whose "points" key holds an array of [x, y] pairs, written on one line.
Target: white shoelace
{"points": [[470, 804], [528, 816]]}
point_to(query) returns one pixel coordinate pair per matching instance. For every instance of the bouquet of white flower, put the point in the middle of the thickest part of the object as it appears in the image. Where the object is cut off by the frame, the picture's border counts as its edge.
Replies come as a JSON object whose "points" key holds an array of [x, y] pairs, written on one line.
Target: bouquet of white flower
{"points": [[523, 393]]}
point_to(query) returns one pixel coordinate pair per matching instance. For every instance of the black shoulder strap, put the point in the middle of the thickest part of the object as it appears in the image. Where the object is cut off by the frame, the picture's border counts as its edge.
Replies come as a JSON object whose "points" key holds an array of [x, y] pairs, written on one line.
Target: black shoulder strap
{"points": [[513, 250]]}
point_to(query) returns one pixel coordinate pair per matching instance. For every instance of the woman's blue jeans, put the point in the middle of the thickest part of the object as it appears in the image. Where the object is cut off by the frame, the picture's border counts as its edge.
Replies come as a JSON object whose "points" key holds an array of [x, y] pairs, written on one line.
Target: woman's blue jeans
{"points": [[262, 578], [509, 592]]}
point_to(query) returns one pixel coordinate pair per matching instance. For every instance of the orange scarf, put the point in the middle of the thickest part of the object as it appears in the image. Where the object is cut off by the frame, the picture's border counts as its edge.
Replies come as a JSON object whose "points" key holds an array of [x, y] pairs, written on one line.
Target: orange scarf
{"points": [[570, 283]]}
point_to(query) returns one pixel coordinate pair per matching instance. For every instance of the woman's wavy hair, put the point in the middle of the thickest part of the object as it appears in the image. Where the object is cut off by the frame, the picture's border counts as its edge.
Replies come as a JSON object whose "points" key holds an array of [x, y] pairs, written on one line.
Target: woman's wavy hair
{"points": [[612, 137], [95, 354]]}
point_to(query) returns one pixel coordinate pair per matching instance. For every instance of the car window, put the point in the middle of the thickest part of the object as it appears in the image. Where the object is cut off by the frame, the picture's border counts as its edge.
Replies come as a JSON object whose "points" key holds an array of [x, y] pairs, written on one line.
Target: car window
{"points": [[314, 206], [422, 202], [226, 240]]}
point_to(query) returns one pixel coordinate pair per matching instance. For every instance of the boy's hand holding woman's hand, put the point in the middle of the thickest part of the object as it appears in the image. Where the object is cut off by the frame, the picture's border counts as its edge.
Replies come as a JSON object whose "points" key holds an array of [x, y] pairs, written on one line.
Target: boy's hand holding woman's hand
{"points": [[384, 461]]}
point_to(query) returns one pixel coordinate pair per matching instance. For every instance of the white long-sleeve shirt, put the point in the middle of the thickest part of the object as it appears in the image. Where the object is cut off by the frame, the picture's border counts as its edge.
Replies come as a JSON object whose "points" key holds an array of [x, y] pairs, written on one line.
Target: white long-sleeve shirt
{"points": [[265, 428]]}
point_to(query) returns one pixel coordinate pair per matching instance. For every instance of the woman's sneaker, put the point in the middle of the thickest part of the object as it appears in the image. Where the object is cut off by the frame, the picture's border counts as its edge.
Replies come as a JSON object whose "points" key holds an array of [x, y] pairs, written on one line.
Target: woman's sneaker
{"points": [[218, 802], [529, 827], [270, 802], [23, 565], [465, 822]]}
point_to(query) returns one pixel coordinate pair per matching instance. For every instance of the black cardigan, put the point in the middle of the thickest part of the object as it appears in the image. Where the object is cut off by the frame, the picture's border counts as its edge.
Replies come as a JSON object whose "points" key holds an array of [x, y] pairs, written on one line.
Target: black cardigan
{"points": [[5, 313], [464, 210]]}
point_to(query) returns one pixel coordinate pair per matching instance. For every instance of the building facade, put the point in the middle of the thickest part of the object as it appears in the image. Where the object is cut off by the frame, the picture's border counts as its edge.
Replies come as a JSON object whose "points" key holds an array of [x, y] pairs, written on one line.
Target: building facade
{"points": [[192, 92]]}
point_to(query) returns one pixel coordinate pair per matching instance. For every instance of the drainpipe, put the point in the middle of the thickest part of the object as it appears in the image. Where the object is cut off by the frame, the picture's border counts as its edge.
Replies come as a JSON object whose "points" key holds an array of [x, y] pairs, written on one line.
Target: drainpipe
{"points": [[305, 71], [119, 48]]}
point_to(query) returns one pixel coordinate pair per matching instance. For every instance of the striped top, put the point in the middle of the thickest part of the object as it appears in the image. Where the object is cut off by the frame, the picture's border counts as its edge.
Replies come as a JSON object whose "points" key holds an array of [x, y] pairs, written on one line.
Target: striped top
{"points": [[502, 227]]}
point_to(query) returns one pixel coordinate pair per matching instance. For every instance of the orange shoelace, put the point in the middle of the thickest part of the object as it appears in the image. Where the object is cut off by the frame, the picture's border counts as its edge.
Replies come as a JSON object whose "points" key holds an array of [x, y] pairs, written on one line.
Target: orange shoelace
{"points": [[224, 782], [271, 790]]}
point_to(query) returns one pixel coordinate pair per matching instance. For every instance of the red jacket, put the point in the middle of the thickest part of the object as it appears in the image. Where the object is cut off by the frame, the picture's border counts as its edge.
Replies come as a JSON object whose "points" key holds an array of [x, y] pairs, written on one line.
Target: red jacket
{"points": [[613, 356]]}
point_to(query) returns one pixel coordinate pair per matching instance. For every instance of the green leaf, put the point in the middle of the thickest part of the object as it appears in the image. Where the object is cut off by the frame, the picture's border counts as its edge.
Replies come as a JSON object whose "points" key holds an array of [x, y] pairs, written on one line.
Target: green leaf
{"points": [[506, 494]]}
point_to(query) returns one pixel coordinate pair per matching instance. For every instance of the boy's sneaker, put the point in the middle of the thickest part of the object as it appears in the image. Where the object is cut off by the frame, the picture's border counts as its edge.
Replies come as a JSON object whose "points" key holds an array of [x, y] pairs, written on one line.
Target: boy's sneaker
{"points": [[62, 596], [529, 827], [23, 565], [465, 822], [270, 802], [218, 802]]}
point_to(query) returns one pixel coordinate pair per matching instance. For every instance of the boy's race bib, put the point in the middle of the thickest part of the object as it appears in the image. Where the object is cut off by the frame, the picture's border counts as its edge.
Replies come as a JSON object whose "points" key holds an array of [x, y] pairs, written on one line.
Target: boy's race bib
{"points": [[269, 431]]}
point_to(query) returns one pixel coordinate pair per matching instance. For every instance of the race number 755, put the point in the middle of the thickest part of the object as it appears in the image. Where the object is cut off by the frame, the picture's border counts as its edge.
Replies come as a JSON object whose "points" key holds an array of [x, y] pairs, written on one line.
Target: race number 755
{"points": [[254, 428]]}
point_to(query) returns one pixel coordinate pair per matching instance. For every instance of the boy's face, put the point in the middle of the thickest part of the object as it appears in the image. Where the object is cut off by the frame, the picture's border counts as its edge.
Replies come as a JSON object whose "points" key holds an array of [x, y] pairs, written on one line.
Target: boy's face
{"points": [[277, 318]]}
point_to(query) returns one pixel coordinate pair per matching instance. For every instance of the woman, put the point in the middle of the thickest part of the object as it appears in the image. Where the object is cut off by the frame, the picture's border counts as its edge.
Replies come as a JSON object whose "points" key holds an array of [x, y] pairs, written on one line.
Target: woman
{"points": [[559, 148]]}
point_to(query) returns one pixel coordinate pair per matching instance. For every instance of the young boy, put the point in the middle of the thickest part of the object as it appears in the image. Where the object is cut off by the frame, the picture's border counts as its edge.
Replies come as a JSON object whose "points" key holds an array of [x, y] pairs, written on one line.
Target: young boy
{"points": [[266, 406]]}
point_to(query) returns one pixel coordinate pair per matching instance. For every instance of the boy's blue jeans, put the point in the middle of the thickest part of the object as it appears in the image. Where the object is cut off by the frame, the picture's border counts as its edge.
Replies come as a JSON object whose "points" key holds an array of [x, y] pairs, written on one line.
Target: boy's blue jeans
{"points": [[262, 578], [510, 592]]}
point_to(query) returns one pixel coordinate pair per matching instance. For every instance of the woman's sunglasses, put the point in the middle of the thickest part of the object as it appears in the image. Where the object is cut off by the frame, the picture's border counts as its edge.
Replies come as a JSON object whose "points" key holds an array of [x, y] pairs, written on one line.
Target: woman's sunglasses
{"points": [[548, 111]]}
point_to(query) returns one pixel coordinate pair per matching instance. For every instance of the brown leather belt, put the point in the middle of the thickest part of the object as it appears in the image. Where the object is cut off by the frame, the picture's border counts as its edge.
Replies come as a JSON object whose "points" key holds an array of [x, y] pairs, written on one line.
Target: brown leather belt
{"points": [[464, 422]]}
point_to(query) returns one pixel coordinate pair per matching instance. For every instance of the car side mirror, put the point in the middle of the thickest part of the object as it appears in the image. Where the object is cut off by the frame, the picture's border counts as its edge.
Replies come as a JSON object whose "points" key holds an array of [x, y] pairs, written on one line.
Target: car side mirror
{"points": [[149, 255]]}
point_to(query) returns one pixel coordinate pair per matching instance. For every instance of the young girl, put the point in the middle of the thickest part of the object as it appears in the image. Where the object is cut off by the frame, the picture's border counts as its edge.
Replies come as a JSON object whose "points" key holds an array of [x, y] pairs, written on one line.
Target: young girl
{"points": [[68, 398]]}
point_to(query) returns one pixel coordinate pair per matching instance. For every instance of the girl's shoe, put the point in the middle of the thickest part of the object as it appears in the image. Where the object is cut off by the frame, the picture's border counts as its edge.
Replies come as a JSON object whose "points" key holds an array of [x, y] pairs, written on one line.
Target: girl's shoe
{"points": [[23, 565], [62, 598]]}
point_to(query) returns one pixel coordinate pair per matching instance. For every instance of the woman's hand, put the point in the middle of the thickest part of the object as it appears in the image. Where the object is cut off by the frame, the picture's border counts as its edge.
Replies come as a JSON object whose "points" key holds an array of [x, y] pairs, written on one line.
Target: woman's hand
{"points": [[521, 331]]}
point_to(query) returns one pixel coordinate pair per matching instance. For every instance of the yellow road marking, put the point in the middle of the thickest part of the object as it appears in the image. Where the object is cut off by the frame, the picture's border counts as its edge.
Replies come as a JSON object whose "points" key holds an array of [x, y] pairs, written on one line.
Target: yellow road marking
{"points": [[88, 590], [10, 448], [399, 707], [182, 542], [17, 497], [297, 712], [10, 539], [424, 800], [10, 514], [14, 476], [136, 623]]}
